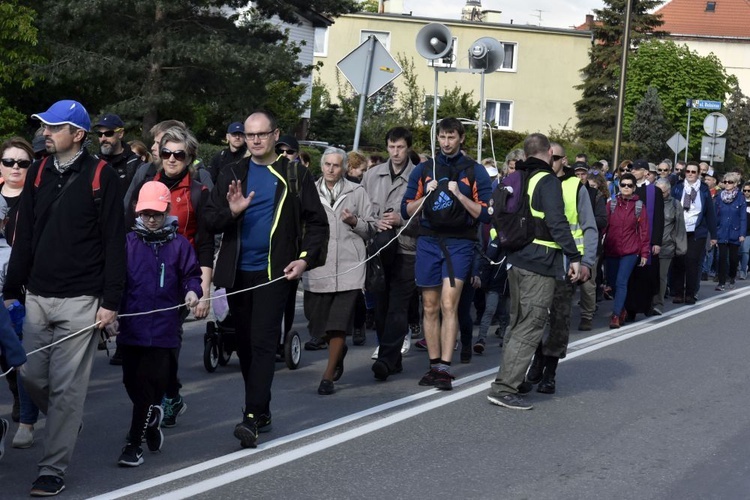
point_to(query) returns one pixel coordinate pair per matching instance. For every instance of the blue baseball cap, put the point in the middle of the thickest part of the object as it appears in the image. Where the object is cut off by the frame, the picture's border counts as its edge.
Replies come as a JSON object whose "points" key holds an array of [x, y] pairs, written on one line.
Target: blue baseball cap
{"points": [[236, 128], [110, 121], [66, 112]]}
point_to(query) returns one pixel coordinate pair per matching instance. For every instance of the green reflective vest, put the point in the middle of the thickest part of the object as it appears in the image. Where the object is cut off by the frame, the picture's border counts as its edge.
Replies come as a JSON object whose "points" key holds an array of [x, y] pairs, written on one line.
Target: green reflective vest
{"points": [[570, 187], [536, 213]]}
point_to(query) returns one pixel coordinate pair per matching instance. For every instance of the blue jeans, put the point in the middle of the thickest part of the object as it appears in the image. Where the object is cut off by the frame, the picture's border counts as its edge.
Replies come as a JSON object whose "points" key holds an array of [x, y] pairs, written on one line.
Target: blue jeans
{"points": [[618, 273], [744, 256]]}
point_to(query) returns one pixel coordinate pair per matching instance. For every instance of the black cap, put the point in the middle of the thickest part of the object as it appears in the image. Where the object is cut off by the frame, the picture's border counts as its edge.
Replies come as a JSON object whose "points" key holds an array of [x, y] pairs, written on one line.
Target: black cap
{"points": [[236, 128], [110, 121], [288, 140], [580, 165], [640, 163]]}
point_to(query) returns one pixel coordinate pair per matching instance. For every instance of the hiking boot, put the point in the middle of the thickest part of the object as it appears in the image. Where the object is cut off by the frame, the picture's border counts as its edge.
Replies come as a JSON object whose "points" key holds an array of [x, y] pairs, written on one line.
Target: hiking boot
{"points": [[359, 337], [512, 401], [131, 456], [479, 346], [443, 380], [416, 331], [47, 486], [264, 422], [247, 431], [584, 325], [24, 437], [315, 344], [154, 435], [614, 322], [429, 378], [173, 407]]}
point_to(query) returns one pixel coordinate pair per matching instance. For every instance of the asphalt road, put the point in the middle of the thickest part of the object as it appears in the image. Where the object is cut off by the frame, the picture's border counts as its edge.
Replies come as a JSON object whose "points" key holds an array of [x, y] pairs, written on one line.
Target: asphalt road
{"points": [[657, 409]]}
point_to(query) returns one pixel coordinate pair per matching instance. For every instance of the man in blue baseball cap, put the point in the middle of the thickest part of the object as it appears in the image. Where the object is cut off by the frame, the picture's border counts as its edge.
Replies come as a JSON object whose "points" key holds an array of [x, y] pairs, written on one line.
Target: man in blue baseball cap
{"points": [[235, 151], [69, 254], [110, 130]]}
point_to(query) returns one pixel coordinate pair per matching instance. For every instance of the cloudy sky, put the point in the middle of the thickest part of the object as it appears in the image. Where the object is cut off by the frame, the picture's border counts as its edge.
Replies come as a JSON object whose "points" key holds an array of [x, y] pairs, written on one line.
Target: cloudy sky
{"points": [[555, 13]]}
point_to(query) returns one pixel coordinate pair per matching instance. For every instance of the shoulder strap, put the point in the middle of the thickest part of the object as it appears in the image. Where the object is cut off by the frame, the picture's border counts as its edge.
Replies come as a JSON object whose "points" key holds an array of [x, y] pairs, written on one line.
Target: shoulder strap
{"points": [[638, 209], [291, 178], [96, 181], [38, 179], [612, 205]]}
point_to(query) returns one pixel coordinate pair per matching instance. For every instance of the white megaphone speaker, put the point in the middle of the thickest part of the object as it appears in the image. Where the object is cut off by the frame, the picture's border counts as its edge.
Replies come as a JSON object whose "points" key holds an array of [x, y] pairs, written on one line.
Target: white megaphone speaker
{"points": [[486, 54], [434, 41]]}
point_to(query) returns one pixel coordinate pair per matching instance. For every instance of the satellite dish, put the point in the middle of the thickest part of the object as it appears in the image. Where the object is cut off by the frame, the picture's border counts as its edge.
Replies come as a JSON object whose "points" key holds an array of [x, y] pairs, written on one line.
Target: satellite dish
{"points": [[486, 54], [434, 41]]}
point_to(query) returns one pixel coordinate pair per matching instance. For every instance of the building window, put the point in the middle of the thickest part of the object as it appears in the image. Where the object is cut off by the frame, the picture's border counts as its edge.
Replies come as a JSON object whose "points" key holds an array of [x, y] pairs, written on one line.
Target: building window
{"points": [[499, 114], [383, 37], [321, 42], [511, 55], [428, 100], [710, 6], [448, 61]]}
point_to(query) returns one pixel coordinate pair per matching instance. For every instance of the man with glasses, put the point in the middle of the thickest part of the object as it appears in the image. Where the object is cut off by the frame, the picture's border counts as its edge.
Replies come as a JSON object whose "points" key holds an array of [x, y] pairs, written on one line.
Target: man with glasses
{"points": [[700, 224], [112, 149], [69, 254], [273, 231], [663, 170], [235, 151]]}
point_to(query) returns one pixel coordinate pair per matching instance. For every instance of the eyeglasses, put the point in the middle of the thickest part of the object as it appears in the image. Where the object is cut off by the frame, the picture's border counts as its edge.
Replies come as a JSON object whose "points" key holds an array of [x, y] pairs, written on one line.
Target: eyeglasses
{"points": [[662, 170], [286, 151], [262, 136], [180, 155], [152, 216], [557, 157], [107, 133], [691, 172], [55, 128], [626, 169], [728, 182], [9, 162], [628, 185]]}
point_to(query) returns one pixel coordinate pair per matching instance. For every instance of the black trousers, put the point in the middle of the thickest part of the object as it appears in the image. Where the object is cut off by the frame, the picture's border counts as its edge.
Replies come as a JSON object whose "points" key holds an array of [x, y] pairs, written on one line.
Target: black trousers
{"points": [[257, 316], [728, 255], [173, 384], [686, 269], [391, 308], [145, 371]]}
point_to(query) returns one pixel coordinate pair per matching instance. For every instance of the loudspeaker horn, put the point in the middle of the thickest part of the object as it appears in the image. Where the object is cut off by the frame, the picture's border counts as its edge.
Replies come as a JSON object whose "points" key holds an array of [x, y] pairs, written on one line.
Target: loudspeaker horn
{"points": [[434, 41], [486, 54]]}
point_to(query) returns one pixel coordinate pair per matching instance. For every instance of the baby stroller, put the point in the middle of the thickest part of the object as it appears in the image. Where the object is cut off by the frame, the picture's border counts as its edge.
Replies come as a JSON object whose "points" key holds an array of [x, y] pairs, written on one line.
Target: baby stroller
{"points": [[219, 339]]}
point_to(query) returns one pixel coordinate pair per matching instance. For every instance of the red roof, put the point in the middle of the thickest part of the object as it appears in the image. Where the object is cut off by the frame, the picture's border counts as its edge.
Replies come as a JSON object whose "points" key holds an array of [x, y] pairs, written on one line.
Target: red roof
{"points": [[716, 18]]}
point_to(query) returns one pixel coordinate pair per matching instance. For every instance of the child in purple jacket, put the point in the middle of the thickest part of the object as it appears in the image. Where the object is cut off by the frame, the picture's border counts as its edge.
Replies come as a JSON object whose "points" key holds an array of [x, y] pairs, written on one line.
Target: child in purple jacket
{"points": [[163, 272]]}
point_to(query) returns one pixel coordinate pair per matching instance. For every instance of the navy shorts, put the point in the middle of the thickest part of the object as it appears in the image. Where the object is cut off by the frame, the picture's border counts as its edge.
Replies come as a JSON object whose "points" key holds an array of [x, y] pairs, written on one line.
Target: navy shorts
{"points": [[431, 266]]}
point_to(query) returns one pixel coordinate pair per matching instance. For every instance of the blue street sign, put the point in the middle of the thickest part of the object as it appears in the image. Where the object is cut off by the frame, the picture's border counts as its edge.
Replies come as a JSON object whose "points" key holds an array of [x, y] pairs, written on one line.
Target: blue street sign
{"points": [[703, 104]]}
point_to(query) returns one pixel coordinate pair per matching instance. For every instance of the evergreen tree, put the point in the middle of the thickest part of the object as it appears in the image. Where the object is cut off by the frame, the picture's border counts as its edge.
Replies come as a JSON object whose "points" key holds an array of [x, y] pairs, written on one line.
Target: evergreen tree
{"points": [[738, 129], [649, 129], [597, 109]]}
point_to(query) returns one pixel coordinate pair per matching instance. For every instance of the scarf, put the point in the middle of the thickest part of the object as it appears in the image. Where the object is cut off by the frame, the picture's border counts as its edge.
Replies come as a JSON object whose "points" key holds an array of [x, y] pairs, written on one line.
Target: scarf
{"points": [[62, 167], [728, 195], [156, 238], [331, 195], [688, 198]]}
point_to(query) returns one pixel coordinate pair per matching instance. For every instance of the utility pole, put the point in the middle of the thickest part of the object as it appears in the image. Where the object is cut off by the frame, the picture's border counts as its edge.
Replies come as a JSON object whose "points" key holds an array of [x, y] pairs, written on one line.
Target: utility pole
{"points": [[623, 80]]}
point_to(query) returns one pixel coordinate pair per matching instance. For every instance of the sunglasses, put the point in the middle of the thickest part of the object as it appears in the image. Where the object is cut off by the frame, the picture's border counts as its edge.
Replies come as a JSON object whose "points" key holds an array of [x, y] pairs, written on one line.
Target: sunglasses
{"points": [[9, 162], [107, 133], [557, 157], [746, 190], [691, 171], [662, 170], [728, 182], [165, 154], [628, 185], [285, 151]]}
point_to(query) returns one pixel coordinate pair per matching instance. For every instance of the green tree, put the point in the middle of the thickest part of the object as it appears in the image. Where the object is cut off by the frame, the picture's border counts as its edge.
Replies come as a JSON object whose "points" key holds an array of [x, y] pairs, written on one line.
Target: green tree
{"points": [[369, 6], [203, 61], [458, 104], [411, 96], [678, 74], [649, 129], [738, 129], [597, 108]]}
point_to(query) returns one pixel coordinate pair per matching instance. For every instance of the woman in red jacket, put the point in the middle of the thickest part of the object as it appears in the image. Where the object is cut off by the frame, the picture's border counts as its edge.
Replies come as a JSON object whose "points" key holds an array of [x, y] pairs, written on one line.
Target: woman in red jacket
{"points": [[626, 243]]}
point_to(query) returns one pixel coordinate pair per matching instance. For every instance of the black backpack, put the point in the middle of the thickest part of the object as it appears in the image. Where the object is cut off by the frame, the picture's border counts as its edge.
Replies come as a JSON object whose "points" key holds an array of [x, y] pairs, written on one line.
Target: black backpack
{"points": [[510, 209], [442, 210]]}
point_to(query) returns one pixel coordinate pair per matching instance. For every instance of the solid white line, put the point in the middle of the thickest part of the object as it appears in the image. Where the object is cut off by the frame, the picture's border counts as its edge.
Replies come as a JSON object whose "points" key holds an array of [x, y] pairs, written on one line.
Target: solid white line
{"points": [[589, 344]]}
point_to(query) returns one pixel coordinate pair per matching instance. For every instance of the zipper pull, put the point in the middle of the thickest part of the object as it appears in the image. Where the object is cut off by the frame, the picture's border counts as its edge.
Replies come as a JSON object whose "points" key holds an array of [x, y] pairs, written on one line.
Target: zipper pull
{"points": [[161, 277]]}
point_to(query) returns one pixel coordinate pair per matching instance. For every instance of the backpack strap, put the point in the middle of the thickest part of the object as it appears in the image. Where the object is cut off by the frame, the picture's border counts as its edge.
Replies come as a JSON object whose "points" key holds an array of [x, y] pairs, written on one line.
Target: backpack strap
{"points": [[96, 182], [38, 179]]}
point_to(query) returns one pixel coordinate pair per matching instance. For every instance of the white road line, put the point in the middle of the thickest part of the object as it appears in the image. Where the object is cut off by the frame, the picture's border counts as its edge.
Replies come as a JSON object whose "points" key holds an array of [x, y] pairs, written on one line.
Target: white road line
{"points": [[578, 348]]}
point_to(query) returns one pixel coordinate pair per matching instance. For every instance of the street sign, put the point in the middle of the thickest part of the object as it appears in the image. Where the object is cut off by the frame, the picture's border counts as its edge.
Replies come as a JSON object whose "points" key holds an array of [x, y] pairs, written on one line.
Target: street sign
{"points": [[712, 148], [704, 104], [384, 68], [677, 142], [715, 124]]}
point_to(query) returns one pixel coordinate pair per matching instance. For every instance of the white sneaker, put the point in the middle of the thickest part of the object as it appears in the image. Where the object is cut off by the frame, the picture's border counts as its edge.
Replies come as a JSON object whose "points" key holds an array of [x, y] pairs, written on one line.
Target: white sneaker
{"points": [[407, 343], [24, 437], [375, 353]]}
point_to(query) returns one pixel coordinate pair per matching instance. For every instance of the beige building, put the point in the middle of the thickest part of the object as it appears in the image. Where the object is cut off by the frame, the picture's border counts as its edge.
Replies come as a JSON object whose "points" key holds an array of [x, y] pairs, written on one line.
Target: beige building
{"points": [[533, 91]]}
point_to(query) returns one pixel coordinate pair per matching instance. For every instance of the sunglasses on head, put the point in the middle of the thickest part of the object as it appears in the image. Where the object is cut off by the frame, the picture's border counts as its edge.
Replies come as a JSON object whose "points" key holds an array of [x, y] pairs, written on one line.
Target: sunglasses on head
{"points": [[165, 154], [9, 162]]}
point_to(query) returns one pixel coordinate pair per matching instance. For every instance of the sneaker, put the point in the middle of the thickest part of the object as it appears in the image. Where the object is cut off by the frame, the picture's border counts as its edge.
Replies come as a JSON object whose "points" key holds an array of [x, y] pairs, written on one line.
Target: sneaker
{"points": [[719, 288], [264, 422], [421, 345], [359, 337], [47, 486], [511, 401], [131, 456], [479, 346], [172, 409], [375, 353], [24, 437], [443, 380], [428, 379], [407, 343], [315, 344], [584, 325], [655, 311], [154, 435], [691, 299], [731, 283], [416, 331], [247, 431], [3, 432]]}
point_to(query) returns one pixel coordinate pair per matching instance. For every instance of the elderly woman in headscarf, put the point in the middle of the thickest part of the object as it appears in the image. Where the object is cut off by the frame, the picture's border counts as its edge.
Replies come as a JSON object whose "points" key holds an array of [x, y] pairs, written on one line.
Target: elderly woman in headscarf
{"points": [[331, 290]]}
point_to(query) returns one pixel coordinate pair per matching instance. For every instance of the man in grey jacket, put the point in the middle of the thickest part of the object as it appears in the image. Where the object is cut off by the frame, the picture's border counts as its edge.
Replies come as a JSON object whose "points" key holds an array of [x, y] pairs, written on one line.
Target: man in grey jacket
{"points": [[386, 184]]}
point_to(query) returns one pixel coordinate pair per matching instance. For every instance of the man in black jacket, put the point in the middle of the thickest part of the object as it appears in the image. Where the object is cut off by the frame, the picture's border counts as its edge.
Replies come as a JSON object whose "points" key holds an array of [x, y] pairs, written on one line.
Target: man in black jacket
{"points": [[69, 252], [274, 229], [110, 130], [235, 152]]}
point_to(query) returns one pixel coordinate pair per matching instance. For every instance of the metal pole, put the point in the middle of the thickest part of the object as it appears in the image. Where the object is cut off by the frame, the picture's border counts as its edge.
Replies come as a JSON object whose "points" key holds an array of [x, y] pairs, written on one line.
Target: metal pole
{"points": [[623, 81], [687, 135], [434, 114], [365, 88], [714, 135], [481, 119]]}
